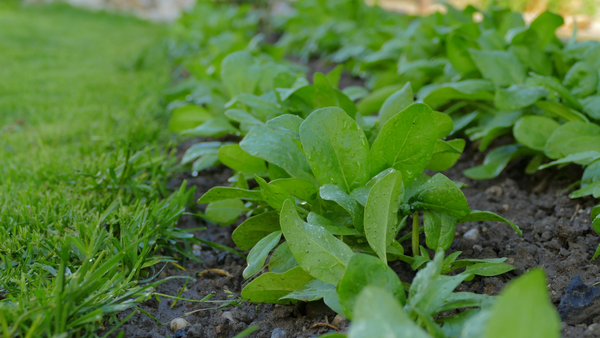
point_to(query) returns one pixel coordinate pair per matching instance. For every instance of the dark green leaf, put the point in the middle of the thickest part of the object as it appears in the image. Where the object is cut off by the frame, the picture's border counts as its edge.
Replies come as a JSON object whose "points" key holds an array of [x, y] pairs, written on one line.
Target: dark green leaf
{"points": [[259, 253], [440, 194], [534, 131], [478, 216], [270, 287]]}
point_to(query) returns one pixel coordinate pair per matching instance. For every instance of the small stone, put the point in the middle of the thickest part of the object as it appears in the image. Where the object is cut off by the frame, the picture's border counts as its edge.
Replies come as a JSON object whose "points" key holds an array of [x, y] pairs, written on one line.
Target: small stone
{"points": [[228, 315], [178, 323], [505, 207], [337, 320], [478, 248], [496, 190], [472, 235], [279, 333]]}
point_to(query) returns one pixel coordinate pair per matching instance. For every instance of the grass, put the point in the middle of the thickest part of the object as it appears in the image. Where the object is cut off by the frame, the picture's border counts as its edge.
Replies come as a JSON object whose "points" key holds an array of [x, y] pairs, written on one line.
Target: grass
{"points": [[83, 164]]}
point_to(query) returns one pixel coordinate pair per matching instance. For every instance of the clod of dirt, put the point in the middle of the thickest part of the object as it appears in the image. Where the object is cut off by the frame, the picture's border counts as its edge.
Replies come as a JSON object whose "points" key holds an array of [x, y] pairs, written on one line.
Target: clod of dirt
{"points": [[178, 324], [579, 303], [279, 333], [195, 331]]}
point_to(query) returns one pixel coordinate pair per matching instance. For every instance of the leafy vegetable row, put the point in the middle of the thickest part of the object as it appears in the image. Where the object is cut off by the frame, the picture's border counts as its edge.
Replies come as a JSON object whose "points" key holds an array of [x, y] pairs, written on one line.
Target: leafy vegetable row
{"points": [[336, 185], [488, 70]]}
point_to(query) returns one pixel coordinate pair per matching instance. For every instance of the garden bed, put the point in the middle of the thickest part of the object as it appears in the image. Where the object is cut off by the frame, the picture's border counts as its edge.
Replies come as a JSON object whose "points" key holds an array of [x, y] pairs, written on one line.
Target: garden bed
{"points": [[556, 236]]}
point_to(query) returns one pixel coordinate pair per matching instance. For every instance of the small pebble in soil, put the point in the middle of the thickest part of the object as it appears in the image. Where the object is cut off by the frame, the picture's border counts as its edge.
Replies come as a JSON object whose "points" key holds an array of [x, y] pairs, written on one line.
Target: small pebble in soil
{"points": [[278, 333], [178, 323], [472, 235]]}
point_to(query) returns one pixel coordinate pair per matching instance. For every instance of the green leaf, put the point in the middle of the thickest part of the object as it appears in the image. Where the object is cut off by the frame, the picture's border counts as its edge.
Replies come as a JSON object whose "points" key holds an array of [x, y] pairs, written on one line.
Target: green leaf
{"points": [[199, 149], [330, 192], [205, 161], [440, 194], [300, 188], [596, 219], [590, 182], [240, 73], [242, 116], [495, 161], [259, 253], [282, 259], [336, 148], [554, 85], [430, 289], [381, 213], [439, 230], [518, 96], [489, 269], [378, 314], [501, 67], [188, 117], [583, 158], [252, 230], [525, 304], [287, 124], [225, 212], [443, 123], [457, 51], [236, 158], [277, 148], [317, 251], [216, 127], [545, 26], [437, 95], [405, 142], [372, 102], [571, 138], [274, 195], [534, 131], [362, 271], [316, 219], [591, 106], [561, 111], [446, 154], [478, 216], [223, 193], [263, 107], [270, 287], [581, 79], [396, 103], [311, 291]]}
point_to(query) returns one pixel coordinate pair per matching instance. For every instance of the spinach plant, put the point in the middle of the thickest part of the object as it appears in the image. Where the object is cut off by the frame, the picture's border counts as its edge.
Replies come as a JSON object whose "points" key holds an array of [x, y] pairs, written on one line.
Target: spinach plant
{"points": [[331, 193]]}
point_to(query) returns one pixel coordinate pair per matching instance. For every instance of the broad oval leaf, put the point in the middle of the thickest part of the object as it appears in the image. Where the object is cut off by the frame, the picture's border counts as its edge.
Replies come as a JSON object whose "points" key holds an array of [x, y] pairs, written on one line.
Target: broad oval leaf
{"points": [[396, 103], [501, 67], [405, 142], [233, 156], [572, 138], [316, 250], [277, 148], [240, 73], [442, 195], [336, 148], [270, 287], [534, 131]]}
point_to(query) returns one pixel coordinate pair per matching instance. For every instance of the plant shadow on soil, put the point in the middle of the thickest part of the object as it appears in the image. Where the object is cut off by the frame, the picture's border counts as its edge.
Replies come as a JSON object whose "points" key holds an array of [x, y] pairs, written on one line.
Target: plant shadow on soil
{"points": [[557, 235]]}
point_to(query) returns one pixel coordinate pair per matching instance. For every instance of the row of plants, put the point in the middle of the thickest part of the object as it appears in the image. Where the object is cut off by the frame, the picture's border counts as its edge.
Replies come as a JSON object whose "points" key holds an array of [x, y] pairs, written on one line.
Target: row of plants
{"points": [[338, 174]]}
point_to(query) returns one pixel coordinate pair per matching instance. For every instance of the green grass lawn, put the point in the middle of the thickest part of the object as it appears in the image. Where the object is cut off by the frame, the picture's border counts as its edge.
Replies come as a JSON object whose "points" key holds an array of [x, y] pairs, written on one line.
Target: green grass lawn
{"points": [[83, 162]]}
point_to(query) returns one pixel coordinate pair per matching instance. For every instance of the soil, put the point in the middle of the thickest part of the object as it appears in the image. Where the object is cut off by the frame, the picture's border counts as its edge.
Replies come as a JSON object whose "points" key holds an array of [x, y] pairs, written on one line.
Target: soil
{"points": [[557, 236]]}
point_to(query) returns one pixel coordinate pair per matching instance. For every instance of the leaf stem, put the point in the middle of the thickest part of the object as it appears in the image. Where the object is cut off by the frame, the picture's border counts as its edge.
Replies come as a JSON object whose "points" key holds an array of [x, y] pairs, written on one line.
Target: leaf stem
{"points": [[415, 234]]}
